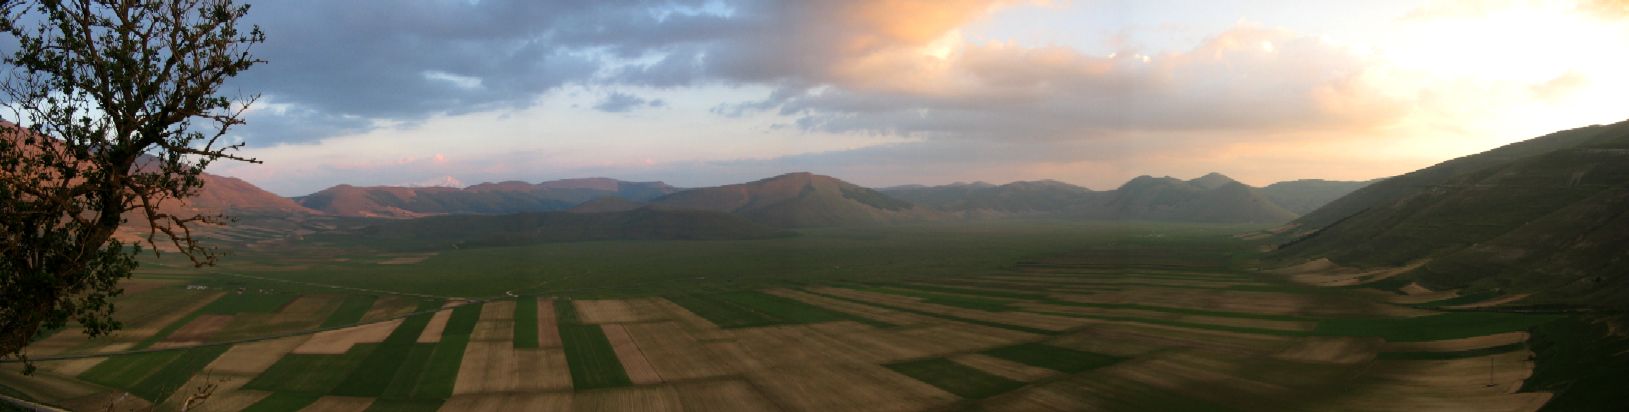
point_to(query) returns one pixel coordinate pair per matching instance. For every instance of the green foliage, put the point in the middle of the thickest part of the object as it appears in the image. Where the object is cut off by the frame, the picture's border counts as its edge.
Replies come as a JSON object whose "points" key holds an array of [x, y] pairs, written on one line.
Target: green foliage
{"points": [[350, 311], [955, 378], [526, 322], [1025, 329], [117, 113], [1053, 357], [1451, 325], [283, 402]]}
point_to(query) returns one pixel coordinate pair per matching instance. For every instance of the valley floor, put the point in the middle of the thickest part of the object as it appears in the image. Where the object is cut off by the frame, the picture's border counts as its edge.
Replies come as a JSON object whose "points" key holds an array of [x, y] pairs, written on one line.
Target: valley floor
{"points": [[1109, 328]]}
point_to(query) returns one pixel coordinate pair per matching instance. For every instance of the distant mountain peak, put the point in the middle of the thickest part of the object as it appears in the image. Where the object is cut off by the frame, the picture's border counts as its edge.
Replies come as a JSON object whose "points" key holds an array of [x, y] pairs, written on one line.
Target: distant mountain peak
{"points": [[1212, 180]]}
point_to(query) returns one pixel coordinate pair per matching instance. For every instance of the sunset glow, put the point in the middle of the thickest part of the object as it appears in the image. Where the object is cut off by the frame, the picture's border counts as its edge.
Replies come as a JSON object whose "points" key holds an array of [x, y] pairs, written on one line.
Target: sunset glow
{"points": [[882, 93]]}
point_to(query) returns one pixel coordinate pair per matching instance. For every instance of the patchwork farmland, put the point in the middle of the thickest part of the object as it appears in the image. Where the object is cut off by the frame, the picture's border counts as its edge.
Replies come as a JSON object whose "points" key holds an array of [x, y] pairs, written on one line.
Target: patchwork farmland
{"points": [[1091, 329]]}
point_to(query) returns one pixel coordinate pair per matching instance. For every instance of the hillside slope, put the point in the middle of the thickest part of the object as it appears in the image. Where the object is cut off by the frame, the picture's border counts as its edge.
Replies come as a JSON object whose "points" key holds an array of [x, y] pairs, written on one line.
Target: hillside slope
{"points": [[1545, 216], [486, 198], [798, 200], [1304, 196], [1213, 198]]}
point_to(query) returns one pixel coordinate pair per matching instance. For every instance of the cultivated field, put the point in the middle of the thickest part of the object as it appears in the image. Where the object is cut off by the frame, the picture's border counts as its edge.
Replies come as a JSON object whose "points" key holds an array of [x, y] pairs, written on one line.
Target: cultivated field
{"points": [[1027, 316]]}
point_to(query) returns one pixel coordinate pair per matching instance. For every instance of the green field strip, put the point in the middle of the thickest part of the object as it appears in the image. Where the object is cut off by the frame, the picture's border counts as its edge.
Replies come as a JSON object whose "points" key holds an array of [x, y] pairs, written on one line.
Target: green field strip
{"points": [[1008, 294], [249, 303], [999, 325], [1053, 357], [127, 371], [1459, 300], [960, 301], [1179, 310], [229, 304], [310, 374], [526, 322], [175, 374], [1045, 299], [283, 402], [1450, 325], [589, 356], [412, 368], [958, 379], [720, 313], [740, 309], [402, 405], [565, 312], [440, 371], [350, 311], [376, 373], [1181, 324], [1470, 353]]}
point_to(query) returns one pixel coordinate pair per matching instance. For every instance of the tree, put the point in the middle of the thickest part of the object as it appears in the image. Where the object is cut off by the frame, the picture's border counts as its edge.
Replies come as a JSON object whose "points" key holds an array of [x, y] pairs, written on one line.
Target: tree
{"points": [[114, 110]]}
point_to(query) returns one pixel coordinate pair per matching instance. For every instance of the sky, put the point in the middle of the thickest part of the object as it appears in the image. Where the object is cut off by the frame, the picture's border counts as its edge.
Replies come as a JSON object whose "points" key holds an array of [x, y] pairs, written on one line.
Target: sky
{"points": [[889, 92]]}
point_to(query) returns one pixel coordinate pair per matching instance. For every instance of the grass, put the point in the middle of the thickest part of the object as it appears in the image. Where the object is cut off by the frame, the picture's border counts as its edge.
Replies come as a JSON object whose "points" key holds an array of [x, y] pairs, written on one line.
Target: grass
{"points": [[526, 322], [1053, 357], [589, 357], [350, 311], [377, 372], [666, 267], [440, 371], [399, 405], [283, 402], [294, 372], [955, 378], [232, 304], [1472, 353], [741, 309], [175, 374], [1582, 362], [1450, 325], [128, 370], [954, 300], [154, 375], [1025, 329]]}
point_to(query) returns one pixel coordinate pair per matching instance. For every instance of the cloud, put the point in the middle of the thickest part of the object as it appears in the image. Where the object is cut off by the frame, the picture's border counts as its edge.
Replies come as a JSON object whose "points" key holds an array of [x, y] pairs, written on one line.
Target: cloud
{"points": [[619, 102]]}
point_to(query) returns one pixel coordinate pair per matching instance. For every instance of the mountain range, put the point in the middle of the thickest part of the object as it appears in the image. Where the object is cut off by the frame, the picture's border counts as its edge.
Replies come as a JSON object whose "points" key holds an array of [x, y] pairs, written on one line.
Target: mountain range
{"points": [[799, 200], [1546, 218], [1212, 198]]}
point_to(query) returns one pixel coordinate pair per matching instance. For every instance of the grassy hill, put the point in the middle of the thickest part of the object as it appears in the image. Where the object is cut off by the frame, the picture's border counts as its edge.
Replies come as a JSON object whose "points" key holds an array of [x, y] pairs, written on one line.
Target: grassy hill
{"points": [[798, 200], [1545, 216]]}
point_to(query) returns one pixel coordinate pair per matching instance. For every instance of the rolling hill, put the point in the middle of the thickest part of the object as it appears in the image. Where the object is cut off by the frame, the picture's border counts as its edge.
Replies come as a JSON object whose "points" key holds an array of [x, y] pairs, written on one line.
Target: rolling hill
{"points": [[1547, 216], [530, 228], [798, 200], [1213, 198], [1306, 195], [486, 198]]}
